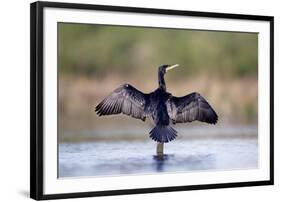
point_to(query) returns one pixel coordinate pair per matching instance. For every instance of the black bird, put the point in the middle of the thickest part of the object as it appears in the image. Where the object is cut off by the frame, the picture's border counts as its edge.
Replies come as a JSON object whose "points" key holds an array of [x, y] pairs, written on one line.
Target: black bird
{"points": [[160, 105]]}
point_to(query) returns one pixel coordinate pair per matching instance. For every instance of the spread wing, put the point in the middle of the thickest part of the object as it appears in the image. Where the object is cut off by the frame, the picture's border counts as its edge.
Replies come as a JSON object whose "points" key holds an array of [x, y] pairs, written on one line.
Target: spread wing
{"points": [[190, 108], [127, 100]]}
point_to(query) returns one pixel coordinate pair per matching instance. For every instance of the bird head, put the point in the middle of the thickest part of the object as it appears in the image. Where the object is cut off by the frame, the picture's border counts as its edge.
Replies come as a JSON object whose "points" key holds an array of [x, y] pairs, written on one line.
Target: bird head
{"points": [[164, 68]]}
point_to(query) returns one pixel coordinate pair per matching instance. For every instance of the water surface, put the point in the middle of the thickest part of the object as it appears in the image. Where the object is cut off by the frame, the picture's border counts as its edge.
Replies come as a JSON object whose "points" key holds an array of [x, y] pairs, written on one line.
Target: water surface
{"points": [[103, 158]]}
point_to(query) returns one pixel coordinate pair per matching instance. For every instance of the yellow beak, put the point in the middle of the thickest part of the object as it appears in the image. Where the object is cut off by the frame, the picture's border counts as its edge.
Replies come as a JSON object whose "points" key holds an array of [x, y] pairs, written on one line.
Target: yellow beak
{"points": [[172, 67]]}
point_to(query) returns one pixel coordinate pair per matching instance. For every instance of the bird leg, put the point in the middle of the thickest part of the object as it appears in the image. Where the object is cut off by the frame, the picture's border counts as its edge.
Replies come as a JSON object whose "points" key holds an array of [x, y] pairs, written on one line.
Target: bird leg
{"points": [[160, 149]]}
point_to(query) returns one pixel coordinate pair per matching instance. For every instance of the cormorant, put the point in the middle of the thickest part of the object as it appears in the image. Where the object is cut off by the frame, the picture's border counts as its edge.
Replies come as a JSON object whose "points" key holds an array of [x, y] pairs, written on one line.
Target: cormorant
{"points": [[164, 108]]}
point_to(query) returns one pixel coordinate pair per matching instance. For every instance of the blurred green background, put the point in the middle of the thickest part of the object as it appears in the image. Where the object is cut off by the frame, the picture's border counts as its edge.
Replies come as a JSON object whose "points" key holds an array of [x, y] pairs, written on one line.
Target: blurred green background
{"points": [[96, 59], [85, 50]]}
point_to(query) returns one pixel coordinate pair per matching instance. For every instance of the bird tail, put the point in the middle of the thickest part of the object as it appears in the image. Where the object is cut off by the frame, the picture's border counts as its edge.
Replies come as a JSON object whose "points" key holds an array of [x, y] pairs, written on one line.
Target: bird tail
{"points": [[163, 134]]}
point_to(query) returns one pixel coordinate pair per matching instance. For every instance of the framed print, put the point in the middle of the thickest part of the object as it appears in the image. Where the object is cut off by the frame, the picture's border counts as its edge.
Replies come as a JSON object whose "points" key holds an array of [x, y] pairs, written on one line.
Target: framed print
{"points": [[131, 100]]}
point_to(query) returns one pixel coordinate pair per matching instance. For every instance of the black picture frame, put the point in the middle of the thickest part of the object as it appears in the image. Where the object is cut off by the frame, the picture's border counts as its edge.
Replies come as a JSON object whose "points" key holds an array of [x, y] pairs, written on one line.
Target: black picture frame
{"points": [[37, 99]]}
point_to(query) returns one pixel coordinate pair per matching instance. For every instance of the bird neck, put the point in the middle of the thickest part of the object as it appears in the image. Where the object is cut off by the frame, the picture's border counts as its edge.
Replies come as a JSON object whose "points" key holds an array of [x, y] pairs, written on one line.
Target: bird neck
{"points": [[161, 80]]}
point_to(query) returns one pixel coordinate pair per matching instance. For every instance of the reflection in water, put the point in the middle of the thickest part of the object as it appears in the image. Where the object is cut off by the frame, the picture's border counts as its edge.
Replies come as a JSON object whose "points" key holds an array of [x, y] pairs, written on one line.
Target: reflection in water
{"points": [[192, 162], [160, 161], [136, 157]]}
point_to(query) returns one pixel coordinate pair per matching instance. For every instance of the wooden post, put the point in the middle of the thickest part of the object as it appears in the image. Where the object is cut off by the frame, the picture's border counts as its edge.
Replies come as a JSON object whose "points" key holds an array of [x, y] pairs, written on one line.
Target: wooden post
{"points": [[160, 149]]}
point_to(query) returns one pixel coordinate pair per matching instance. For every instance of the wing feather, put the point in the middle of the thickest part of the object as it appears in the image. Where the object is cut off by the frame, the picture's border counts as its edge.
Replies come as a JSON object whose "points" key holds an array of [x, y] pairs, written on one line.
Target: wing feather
{"points": [[190, 108], [127, 100]]}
